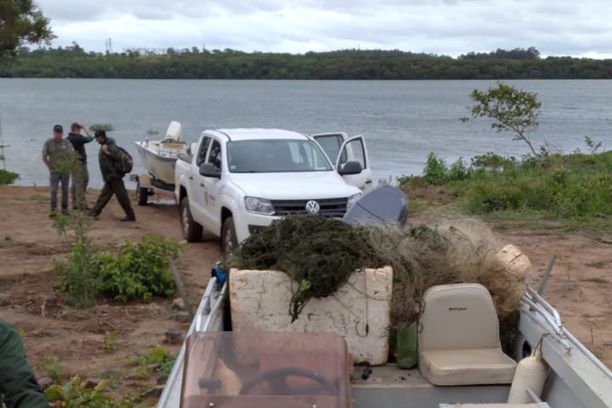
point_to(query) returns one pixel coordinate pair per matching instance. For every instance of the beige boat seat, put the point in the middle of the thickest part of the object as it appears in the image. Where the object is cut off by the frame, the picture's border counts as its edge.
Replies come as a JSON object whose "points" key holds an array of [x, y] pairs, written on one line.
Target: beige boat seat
{"points": [[459, 337]]}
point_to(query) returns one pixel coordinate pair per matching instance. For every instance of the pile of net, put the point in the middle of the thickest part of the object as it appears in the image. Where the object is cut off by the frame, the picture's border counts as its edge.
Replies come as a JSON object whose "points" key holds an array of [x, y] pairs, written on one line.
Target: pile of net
{"points": [[444, 251], [320, 254]]}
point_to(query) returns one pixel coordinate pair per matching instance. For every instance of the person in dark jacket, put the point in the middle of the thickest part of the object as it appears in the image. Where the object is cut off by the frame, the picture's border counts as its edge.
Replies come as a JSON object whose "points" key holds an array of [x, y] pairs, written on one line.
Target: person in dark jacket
{"points": [[108, 157], [18, 386], [80, 178]]}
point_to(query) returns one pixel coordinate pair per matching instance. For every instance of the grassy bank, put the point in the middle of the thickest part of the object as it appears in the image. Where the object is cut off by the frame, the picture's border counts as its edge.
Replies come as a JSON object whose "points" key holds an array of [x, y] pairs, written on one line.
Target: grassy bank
{"points": [[7, 177], [573, 189]]}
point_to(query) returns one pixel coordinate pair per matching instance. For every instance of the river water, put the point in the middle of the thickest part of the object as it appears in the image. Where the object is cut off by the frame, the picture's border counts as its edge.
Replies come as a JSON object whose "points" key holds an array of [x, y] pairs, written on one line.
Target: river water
{"points": [[402, 120]]}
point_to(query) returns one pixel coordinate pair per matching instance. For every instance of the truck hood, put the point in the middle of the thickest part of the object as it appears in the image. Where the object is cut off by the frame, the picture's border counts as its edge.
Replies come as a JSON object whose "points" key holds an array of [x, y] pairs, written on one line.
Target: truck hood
{"points": [[293, 186]]}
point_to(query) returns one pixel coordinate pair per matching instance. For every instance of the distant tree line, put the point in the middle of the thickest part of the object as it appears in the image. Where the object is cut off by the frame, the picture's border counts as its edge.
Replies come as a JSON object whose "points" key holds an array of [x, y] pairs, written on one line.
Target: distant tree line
{"points": [[195, 63]]}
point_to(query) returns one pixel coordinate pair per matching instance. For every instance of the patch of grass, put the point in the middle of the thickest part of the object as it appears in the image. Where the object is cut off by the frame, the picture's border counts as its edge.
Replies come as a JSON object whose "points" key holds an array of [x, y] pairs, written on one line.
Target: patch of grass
{"points": [[112, 377], [158, 360], [574, 190], [7, 177], [51, 368], [75, 393], [109, 343]]}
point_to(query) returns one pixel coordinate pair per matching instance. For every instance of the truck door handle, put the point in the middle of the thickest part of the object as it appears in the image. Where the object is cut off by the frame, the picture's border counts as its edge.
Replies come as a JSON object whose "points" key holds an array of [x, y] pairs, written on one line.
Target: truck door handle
{"points": [[190, 177], [202, 185]]}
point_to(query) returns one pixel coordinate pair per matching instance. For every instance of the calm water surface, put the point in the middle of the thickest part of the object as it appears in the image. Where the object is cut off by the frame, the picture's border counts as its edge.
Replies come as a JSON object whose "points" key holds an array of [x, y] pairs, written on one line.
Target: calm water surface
{"points": [[402, 120]]}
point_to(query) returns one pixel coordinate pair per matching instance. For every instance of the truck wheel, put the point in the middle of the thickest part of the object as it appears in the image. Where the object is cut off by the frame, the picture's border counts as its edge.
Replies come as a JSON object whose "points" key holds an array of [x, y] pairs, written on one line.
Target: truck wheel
{"points": [[143, 195], [192, 231], [228, 236]]}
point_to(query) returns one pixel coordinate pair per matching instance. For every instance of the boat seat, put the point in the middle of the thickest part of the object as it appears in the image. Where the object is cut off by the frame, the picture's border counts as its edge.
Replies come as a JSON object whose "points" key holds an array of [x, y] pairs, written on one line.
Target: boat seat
{"points": [[459, 338], [500, 405]]}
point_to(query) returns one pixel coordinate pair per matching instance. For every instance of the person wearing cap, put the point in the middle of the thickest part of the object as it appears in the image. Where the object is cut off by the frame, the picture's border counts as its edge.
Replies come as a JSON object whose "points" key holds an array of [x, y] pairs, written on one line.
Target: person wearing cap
{"points": [[18, 385], [58, 155], [113, 179], [80, 178]]}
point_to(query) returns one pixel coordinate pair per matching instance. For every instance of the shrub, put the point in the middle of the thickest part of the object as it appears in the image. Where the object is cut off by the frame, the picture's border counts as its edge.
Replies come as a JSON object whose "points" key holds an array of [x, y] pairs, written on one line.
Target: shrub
{"points": [[138, 270], [458, 170], [7, 177], [435, 172], [135, 271], [492, 160], [107, 127]]}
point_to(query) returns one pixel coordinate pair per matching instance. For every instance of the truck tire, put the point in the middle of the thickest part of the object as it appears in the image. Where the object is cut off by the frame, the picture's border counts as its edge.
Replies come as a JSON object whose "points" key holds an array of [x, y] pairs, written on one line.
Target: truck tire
{"points": [[228, 236], [143, 195], [192, 231]]}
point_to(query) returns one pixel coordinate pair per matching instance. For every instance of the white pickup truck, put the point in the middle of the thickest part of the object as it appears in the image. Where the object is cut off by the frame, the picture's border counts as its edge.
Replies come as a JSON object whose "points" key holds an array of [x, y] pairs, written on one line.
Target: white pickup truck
{"points": [[238, 180]]}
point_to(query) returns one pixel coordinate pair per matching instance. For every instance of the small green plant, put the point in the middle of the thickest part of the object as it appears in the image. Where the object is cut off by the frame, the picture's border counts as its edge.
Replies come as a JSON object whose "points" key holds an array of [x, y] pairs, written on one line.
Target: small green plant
{"points": [[158, 359], [458, 170], [107, 127], [592, 145], [109, 343], [76, 394], [435, 172], [78, 275], [51, 368], [7, 177], [113, 378]]}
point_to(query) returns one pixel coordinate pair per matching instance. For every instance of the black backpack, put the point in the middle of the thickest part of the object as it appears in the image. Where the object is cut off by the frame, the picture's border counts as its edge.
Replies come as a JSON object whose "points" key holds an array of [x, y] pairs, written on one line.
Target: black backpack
{"points": [[125, 164]]}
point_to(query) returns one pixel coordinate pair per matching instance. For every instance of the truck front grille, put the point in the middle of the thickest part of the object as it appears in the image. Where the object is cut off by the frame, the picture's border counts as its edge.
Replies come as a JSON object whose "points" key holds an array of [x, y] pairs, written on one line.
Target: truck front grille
{"points": [[331, 207]]}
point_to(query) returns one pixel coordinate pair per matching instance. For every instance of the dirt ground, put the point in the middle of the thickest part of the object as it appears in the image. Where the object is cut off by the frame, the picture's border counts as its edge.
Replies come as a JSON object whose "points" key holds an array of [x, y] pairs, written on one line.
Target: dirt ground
{"points": [[579, 287]]}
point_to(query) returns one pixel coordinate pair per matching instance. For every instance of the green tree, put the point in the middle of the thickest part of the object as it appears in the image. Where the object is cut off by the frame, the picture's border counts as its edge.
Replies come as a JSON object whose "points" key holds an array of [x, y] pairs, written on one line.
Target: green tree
{"points": [[510, 108], [21, 21]]}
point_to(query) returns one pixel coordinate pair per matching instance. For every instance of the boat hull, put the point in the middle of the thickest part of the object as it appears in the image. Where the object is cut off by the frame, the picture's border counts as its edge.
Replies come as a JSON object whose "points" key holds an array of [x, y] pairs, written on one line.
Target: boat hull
{"points": [[160, 160]]}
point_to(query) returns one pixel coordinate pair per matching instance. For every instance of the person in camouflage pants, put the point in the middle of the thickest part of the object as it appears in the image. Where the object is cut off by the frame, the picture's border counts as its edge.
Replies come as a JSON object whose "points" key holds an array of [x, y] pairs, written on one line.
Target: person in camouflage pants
{"points": [[18, 386], [113, 180]]}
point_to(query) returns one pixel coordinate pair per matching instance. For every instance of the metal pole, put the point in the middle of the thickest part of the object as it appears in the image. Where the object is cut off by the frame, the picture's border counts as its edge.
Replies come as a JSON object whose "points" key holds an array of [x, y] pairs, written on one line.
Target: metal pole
{"points": [[544, 281]]}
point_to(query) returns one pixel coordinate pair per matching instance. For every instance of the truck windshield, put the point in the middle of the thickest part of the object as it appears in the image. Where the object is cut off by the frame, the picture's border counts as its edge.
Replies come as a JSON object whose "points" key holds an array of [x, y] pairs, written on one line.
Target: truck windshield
{"points": [[276, 156]]}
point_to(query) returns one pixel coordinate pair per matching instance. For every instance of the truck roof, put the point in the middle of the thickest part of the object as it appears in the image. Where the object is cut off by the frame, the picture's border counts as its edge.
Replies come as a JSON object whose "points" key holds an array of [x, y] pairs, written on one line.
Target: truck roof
{"points": [[259, 133]]}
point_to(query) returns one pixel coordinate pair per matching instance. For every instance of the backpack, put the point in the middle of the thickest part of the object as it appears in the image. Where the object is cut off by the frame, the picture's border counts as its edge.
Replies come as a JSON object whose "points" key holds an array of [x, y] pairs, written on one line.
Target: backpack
{"points": [[125, 164]]}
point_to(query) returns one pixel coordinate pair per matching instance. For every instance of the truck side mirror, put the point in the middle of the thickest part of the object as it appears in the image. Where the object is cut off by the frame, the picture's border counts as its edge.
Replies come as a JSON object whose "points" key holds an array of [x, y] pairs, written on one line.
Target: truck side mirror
{"points": [[350, 167], [209, 170]]}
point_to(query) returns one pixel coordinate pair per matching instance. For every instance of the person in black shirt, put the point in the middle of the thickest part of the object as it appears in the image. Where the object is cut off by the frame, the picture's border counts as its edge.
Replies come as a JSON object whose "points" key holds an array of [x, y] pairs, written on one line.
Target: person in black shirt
{"points": [[81, 177]]}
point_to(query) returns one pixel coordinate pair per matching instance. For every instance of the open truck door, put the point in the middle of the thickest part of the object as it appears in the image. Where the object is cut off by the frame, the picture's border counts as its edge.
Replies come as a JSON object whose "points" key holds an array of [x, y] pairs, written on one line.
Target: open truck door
{"points": [[353, 164], [341, 149]]}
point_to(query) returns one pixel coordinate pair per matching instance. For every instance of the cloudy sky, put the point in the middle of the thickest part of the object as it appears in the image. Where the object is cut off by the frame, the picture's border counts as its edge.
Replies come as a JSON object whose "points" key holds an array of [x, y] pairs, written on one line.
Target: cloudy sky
{"points": [[450, 27]]}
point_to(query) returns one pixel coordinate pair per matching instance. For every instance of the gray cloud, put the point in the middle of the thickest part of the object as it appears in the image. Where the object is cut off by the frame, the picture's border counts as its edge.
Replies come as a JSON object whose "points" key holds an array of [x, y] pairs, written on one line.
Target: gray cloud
{"points": [[449, 27]]}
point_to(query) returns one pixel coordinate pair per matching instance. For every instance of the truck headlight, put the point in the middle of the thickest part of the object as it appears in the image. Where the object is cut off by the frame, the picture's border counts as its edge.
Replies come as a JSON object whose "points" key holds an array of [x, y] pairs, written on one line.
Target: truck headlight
{"points": [[352, 200], [259, 205]]}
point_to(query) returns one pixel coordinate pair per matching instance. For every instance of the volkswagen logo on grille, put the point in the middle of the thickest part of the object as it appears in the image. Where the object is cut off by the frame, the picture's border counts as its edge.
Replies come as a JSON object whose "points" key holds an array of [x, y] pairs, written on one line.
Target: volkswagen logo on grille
{"points": [[312, 207]]}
